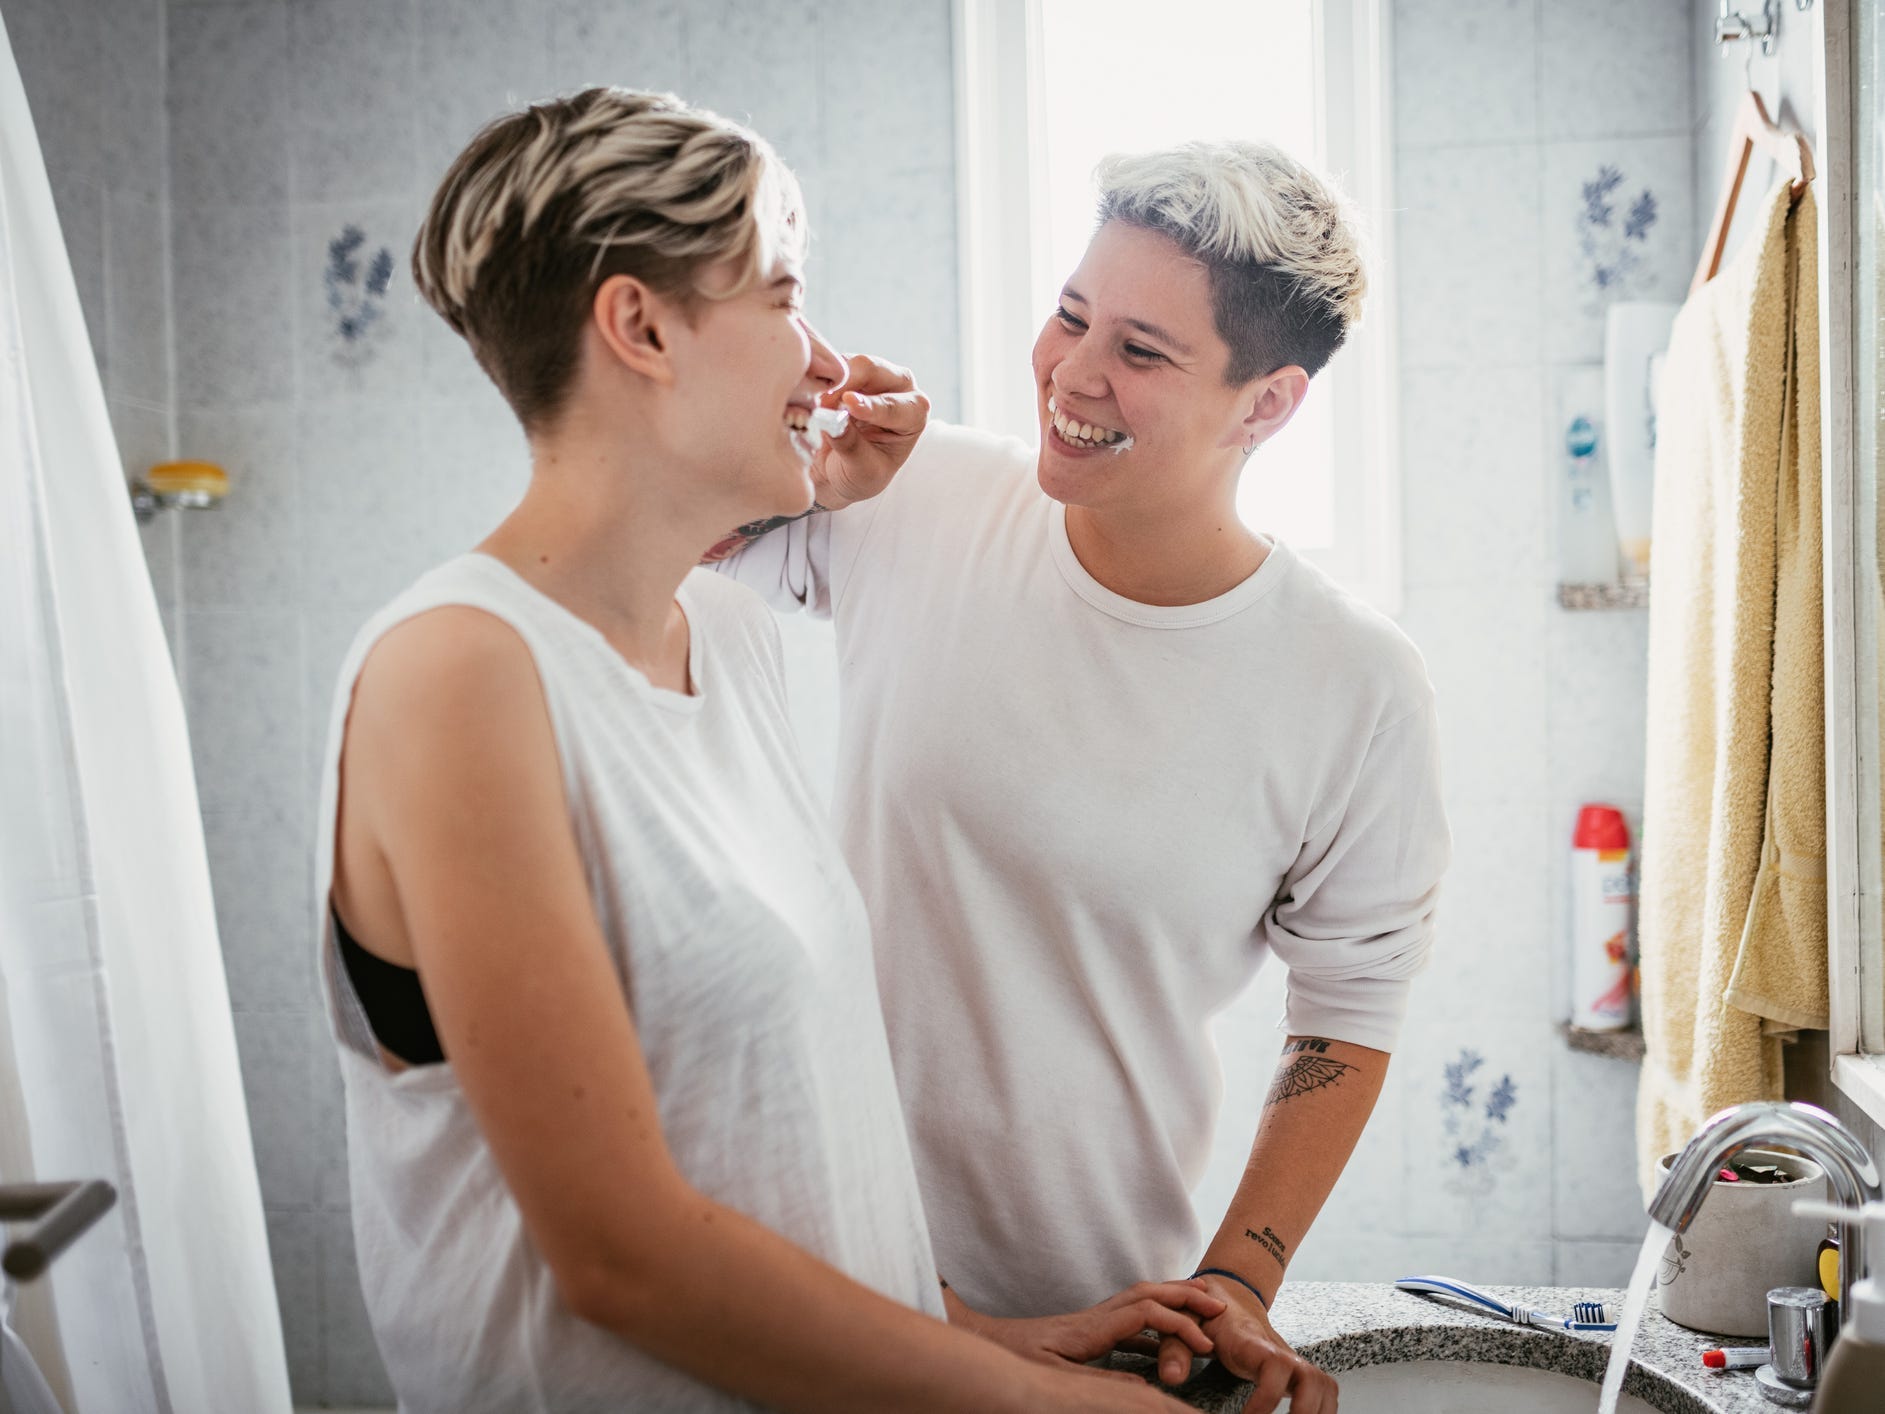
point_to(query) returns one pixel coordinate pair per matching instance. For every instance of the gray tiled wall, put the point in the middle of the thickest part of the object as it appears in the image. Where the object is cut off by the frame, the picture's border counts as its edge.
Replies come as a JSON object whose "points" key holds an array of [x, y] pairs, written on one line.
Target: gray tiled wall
{"points": [[94, 78], [1504, 110]]}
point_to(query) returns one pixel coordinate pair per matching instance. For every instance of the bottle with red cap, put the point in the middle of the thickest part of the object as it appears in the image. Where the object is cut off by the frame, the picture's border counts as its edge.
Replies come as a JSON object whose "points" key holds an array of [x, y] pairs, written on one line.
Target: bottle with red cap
{"points": [[1603, 902]]}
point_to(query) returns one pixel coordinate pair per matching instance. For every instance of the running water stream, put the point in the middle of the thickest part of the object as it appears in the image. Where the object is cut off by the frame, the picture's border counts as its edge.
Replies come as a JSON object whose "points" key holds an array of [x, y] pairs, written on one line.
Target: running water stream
{"points": [[1636, 1299]]}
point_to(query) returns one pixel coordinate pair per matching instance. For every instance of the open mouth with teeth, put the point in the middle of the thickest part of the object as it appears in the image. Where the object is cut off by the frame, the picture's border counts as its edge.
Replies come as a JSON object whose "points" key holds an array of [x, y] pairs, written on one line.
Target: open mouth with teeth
{"points": [[805, 422], [1086, 436]]}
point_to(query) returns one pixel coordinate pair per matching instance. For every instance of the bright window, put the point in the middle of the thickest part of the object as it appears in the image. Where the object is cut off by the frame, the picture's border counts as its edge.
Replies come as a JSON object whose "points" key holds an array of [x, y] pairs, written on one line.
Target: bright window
{"points": [[1048, 87]]}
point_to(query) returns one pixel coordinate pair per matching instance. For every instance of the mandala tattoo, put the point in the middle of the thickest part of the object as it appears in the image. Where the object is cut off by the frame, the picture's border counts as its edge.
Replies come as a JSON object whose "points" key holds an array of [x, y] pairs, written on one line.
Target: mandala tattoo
{"points": [[1306, 1074]]}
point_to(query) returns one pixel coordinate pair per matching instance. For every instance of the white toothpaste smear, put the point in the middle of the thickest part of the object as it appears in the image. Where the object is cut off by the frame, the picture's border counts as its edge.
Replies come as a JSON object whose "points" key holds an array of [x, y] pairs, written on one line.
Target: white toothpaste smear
{"points": [[831, 421]]}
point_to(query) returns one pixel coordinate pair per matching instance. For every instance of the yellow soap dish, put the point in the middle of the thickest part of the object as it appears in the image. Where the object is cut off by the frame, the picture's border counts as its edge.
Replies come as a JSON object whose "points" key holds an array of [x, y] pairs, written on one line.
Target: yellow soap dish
{"points": [[187, 485]]}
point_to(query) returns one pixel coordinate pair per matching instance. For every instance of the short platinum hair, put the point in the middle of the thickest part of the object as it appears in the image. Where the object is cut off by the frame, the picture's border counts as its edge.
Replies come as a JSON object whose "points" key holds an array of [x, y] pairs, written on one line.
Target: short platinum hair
{"points": [[1283, 244], [548, 202]]}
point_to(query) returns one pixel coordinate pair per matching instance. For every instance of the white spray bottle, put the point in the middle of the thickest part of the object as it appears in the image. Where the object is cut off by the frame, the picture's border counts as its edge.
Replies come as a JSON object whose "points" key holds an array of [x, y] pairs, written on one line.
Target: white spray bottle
{"points": [[1635, 336]]}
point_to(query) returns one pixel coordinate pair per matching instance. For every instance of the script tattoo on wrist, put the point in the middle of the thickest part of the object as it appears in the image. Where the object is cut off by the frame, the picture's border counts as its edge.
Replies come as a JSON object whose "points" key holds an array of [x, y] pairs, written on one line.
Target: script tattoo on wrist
{"points": [[1271, 1243], [1311, 1070]]}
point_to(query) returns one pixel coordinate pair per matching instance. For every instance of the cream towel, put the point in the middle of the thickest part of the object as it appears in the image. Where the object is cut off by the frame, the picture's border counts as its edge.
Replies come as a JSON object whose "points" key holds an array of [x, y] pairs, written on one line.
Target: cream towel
{"points": [[1732, 921], [1780, 974]]}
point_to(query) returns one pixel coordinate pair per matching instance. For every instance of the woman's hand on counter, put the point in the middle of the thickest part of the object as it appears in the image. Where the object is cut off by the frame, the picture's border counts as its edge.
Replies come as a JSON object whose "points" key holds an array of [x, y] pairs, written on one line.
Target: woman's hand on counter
{"points": [[1174, 1309], [1248, 1346]]}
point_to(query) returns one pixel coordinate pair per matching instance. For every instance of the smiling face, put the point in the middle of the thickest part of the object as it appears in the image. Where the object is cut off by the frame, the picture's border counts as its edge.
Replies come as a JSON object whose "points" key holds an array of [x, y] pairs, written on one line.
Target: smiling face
{"points": [[1129, 379], [748, 371]]}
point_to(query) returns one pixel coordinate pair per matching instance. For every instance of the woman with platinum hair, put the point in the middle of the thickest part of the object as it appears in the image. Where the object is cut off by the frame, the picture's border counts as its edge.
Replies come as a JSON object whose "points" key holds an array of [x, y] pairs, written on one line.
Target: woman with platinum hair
{"points": [[1105, 750], [623, 1131]]}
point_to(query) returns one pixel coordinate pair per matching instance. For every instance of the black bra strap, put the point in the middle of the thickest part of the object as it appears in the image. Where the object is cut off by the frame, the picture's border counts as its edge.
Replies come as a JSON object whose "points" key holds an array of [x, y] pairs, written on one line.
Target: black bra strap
{"points": [[393, 1000]]}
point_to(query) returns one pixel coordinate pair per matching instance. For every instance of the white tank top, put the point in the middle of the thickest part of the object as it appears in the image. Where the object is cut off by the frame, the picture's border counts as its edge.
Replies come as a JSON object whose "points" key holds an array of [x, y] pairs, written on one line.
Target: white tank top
{"points": [[743, 947]]}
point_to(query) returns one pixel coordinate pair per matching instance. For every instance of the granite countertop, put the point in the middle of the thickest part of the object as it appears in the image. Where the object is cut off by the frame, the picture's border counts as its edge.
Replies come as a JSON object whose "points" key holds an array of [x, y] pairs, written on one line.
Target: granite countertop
{"points": [[1347, 1325]]}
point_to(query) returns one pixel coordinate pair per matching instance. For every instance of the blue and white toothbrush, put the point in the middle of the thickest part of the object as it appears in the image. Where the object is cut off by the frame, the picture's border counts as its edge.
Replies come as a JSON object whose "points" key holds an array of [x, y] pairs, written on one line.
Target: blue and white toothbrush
{"points": [[1585, 1316]]}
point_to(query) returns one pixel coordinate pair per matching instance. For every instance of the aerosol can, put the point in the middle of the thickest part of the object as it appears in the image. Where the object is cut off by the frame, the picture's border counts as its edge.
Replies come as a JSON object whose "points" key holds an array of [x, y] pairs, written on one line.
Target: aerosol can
{"points": [[1603, 905]]}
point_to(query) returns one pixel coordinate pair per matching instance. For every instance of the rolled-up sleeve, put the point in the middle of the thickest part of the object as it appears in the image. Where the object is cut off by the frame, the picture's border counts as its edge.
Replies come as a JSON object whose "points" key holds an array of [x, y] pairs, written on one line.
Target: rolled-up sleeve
{"points": [[1354, 920]]}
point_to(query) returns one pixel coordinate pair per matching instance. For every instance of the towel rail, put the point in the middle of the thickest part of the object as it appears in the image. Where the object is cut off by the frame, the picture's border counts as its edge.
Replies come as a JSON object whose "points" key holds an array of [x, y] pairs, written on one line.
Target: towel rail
{"points": [[64, 1210]]}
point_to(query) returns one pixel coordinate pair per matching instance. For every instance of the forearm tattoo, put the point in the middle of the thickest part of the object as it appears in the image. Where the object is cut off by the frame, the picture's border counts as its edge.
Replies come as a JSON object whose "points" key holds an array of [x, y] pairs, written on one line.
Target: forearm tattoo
{"points": [[1311, 1070], [1271, 1243], [753, 530]]}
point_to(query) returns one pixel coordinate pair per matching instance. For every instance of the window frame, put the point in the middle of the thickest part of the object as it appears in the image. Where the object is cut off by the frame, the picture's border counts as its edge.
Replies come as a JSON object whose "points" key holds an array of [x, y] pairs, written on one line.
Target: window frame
{"points": [[1855, 876], [1002, 249]]}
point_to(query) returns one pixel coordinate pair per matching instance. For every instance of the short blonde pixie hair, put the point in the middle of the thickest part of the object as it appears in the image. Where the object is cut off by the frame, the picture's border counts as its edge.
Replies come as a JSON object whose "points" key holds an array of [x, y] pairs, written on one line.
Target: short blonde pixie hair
{"points": [[547, 203], [1283, 245]]}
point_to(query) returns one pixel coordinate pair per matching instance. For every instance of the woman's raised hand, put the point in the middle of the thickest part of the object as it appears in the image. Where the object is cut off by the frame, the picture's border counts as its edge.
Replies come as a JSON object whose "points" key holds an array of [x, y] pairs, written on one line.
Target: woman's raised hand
{"points": [[888, 413]]}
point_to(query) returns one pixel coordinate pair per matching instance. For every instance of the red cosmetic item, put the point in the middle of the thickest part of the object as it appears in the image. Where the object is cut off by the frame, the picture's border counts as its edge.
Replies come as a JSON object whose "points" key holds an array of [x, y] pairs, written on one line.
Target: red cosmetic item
{"points": [[1600, 827]]}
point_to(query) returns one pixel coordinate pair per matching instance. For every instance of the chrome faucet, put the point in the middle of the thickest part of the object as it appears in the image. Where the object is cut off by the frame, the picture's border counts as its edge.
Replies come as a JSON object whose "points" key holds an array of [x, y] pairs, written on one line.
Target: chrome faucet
{"points": [[1815, 1133]]}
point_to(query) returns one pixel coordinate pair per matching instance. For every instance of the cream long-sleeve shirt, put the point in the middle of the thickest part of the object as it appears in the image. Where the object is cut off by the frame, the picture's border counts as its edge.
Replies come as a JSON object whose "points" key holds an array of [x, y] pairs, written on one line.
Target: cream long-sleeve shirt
{"points": [[1081, 824]]}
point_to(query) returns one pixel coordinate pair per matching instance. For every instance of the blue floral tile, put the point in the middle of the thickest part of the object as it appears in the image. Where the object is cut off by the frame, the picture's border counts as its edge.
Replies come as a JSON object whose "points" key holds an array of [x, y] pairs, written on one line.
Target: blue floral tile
{"points": [[356, 284], [1611, 239], [1474, 1109], [356, 311], [1481, 1152], [1618, 225]]}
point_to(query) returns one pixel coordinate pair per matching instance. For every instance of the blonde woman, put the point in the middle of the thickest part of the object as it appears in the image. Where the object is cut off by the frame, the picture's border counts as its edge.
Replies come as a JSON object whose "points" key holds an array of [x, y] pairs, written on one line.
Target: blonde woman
{"points": [[1106, 750], [623, 1133]]}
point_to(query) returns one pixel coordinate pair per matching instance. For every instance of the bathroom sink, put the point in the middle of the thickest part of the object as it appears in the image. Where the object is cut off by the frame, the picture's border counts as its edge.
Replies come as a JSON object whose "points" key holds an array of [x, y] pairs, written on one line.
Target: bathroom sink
{"points": [[1439, 1387], [1469, 1387], [1396, 1353]]}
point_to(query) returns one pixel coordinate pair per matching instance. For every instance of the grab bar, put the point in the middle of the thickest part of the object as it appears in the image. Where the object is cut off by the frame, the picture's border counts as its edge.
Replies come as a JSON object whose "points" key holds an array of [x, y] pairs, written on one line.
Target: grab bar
{"points": [[64, 1210]]}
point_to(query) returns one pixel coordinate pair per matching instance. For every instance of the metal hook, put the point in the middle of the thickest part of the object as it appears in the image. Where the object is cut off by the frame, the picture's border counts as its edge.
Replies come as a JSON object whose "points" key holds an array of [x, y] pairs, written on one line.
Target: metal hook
{"points": [[1732, 26]]}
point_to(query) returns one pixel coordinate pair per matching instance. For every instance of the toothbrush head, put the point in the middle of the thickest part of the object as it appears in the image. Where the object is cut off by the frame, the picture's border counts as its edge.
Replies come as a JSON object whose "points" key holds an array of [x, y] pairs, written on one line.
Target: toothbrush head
{"points": [[1588, 1313]]}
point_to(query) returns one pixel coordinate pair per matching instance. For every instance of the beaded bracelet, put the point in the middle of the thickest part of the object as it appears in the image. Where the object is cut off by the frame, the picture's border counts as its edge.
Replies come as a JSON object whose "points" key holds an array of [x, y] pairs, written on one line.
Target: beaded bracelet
{"points": [[1221, 1272]]}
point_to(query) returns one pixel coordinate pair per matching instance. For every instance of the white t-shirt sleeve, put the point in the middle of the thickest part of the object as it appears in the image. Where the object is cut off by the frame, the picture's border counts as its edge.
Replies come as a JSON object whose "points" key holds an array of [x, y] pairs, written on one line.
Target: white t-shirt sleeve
{"points": [[804, 563], [791, 567], [1354, 920], [808, 563]]}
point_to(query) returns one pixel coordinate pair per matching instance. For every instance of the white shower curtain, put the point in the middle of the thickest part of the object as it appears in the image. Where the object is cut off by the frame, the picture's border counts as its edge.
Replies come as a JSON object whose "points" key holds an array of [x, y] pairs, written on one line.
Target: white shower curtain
{"points": [[117, 1051]]}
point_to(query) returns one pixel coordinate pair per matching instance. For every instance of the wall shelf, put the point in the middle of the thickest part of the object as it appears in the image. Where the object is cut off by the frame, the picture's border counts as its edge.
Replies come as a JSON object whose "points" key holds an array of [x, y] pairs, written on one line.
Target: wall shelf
{"points": [[1617, 594], [1618, 1045]]}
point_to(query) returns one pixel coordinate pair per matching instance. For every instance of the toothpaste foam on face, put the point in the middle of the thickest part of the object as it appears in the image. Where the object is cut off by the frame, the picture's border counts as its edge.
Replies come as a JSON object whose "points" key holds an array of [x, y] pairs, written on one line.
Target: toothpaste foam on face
{"points": [[831, 421]]}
